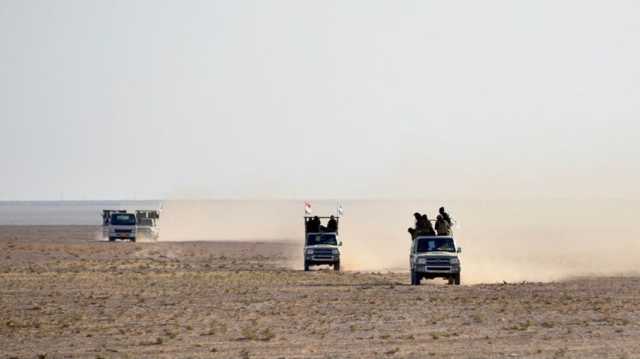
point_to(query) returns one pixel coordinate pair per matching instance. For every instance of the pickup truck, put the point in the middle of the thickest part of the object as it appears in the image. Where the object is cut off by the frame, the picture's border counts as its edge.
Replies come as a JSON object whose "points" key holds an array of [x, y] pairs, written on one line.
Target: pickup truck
{"points": [[435, 257], [148, 224], [122, 226], [321, 243]]}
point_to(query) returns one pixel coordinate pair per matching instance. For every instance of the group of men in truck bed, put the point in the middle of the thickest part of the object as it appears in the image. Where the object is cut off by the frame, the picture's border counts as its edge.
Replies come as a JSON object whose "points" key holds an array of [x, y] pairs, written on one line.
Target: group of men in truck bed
{"points": [[424, 227], [314, 225]]}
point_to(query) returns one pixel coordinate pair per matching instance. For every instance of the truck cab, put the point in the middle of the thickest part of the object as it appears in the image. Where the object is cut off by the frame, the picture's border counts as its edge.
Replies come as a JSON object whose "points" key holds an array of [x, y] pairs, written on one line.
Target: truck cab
{"points": [[122, 226], [321, 244], [435, 257]]}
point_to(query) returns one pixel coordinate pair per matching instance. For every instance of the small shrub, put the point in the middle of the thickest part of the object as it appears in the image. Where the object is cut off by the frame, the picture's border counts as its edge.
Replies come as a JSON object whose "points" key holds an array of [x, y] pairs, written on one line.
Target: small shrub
{"points": [[266, 335]]}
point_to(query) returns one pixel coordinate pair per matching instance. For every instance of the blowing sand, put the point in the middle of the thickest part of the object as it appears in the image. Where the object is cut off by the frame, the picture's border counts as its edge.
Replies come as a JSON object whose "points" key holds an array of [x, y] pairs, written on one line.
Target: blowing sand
{"points": [[502, 240], [65, 295]]}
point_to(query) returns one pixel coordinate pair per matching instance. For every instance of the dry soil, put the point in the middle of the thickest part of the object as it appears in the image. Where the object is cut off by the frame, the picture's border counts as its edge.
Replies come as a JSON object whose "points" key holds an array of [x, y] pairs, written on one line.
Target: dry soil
{"points": [[63, 294]]}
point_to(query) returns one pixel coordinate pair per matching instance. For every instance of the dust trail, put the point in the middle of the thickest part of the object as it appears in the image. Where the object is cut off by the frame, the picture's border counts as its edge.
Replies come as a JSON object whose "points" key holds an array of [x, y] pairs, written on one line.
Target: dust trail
{"points": [[230, 220], [234, 220], [501, 240]]}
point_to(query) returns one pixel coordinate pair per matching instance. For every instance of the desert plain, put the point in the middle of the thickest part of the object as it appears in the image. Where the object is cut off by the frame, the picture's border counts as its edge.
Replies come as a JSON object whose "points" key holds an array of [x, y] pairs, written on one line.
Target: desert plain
{"points": [[65, 294]]}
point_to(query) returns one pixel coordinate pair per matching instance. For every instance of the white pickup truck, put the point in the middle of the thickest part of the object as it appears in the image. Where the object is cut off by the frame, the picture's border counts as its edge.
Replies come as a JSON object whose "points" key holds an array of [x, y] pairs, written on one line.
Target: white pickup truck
{"points": [[322, 248], [435, 257], [148, 224], [321, 243], [122, 226]]}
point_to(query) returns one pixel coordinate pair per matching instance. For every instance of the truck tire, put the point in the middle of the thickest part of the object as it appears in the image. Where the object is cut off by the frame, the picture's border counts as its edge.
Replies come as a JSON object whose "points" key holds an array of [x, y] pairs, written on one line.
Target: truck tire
{"points": [[415, 278], [133, 239], [336, 266], [306, 266], [112, 239], [456, 279]]}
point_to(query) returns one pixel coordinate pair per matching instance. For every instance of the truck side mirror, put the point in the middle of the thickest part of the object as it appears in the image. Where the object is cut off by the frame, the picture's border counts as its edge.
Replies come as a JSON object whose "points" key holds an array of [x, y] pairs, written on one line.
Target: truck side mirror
{"points": [[459, 249], [340, 244]]}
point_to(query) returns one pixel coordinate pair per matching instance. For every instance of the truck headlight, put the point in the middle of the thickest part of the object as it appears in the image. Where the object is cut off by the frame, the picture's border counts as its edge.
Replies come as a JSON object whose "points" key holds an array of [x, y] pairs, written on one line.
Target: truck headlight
{"points": [[454, 261], [422, 261], [309, 251], [334, 251]]}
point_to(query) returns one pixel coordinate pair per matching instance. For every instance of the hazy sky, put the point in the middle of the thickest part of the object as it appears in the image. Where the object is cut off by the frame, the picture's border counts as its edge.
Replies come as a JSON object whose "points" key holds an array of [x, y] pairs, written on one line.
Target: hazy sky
{"points": [[319, 99]]}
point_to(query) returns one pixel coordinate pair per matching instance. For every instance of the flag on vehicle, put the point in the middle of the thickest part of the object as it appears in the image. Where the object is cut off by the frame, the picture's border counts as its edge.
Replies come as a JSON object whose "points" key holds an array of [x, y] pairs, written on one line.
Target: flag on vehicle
{"points": [[340, 210], [307, 208]]}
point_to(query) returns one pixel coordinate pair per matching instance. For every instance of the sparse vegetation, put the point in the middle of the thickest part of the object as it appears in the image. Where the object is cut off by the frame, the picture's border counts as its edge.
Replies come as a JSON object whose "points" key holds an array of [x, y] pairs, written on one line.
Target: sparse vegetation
{"points": [[136, 303], [478, 318], [392, 351], [522, 326], [252, 333]]}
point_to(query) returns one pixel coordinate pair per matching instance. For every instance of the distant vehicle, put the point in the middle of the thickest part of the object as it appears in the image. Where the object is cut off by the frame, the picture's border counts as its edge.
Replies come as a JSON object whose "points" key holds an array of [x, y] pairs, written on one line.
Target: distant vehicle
{"points": [[435, 257], [106, 220], [122, 226], [148, 224], [321, 247]]}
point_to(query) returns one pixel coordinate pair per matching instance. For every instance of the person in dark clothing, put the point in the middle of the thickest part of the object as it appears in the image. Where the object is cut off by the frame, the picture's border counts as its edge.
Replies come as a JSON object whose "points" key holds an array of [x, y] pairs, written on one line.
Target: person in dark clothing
{"points": [[332, 225], [423, 226], [445, 215], [422, 222], [417, 226], [316, 224], [442, 227], [418, 217], [428, 227]]}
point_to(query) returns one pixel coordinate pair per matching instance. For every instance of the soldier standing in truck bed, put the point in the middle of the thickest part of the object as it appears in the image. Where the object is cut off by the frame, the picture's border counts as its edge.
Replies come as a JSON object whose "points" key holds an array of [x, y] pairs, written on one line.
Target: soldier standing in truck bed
{"points": [[332, 225], [317, 224], [443, 228], [428, 227], [413, 231], [423, 226], [445, 215]]}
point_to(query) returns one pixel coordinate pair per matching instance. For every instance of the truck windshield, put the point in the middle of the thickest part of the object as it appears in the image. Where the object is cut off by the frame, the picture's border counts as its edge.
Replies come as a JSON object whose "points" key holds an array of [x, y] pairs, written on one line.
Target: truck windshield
{"points": [[436, 244], [123, 219], [329, 239]]}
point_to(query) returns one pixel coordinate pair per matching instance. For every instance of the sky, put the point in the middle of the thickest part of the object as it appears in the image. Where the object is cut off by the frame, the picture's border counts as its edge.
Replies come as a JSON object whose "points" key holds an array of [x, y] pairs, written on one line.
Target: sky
{"points": [[154, 99]]}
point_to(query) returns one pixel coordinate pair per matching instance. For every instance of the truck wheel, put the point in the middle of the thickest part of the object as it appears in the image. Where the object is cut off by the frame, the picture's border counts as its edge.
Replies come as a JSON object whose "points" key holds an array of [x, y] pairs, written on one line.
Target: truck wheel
{"points": [[336, 266], [306, 266], [133, 239], [456, 279], [415, 278], [112, 239]]}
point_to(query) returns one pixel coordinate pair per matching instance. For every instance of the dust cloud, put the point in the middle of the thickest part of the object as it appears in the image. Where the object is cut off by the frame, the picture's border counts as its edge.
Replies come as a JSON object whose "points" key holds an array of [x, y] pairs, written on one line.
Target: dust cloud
{"points": [[502, 240]]}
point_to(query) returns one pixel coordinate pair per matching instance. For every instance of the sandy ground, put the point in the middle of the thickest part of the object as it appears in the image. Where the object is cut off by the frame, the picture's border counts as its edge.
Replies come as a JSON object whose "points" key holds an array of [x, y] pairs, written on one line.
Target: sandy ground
{"points": [[65, 295]]}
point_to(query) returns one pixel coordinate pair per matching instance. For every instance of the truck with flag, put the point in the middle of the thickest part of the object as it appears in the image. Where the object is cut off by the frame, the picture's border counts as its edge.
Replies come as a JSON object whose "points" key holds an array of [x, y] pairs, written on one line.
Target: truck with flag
{"points": [[321, 241]]}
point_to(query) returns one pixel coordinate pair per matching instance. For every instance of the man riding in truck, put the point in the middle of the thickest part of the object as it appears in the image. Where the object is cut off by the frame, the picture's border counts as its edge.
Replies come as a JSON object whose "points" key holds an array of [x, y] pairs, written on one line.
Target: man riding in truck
{"points": [[332, 225], [443, 228], [423, 226]]}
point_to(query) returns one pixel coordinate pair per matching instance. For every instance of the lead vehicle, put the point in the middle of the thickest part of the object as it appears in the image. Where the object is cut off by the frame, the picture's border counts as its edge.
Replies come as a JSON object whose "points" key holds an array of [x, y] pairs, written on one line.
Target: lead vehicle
{"points": [[435, 257]]}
